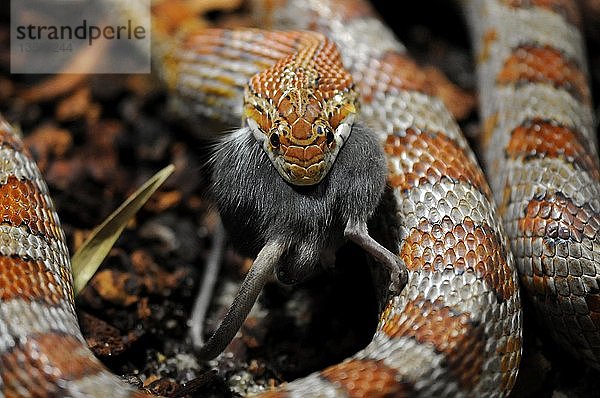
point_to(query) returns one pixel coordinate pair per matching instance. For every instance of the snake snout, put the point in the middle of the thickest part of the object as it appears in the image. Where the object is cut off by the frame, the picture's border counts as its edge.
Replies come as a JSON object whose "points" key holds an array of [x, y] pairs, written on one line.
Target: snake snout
{"points": [[313, 174], [304, 165]]}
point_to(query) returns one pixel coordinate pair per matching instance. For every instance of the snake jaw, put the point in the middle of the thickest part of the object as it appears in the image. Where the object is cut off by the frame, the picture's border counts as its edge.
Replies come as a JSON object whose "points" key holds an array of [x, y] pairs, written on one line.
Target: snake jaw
{"points": [[342, 132], [302, 162]]}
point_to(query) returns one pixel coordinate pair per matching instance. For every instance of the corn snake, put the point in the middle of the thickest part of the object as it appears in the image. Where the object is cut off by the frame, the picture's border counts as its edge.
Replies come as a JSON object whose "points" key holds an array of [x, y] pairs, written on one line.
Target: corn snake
{"points": [[453, 148]]}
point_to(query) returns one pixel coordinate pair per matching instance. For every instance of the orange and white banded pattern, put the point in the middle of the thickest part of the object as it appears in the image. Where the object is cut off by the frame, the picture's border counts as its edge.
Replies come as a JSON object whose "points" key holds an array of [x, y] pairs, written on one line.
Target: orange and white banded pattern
{"points": [[42, 351], [454, 330], [542, 159]]}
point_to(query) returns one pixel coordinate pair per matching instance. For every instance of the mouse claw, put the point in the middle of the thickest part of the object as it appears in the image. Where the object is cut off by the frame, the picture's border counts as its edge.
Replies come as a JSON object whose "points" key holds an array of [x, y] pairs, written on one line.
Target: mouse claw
{"points": [[398, 277]]}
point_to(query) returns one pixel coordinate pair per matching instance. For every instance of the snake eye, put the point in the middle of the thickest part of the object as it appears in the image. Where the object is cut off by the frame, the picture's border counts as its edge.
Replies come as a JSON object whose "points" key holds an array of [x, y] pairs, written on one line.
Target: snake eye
{"points": [[329, 137], [274, 140]]}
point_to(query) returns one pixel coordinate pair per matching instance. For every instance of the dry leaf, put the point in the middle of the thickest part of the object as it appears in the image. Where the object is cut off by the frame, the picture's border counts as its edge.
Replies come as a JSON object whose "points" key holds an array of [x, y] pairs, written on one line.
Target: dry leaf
{"points": [[91, 254]]}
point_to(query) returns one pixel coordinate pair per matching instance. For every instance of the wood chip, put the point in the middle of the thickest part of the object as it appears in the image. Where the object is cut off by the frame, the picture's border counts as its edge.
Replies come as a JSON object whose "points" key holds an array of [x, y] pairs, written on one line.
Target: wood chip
{"points": [[74, 106]]}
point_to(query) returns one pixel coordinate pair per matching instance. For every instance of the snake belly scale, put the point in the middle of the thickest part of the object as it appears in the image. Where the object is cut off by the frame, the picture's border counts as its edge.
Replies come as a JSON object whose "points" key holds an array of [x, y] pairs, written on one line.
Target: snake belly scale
{"points": [[454, 330]]}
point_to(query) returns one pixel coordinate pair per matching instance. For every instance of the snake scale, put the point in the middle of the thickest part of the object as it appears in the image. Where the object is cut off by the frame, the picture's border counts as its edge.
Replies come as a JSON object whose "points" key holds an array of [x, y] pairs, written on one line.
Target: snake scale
{"points": [[536, 104], [455, 328]]}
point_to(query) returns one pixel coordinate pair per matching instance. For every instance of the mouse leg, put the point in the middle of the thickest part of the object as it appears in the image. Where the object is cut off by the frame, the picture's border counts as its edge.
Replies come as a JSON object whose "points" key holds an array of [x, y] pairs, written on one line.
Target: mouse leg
{"points": [[358, 233], [260, 272], [206, 291]]}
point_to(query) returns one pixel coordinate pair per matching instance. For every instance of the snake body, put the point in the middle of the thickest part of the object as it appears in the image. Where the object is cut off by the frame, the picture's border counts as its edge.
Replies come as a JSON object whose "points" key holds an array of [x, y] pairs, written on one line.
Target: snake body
{"points": [[42, 350], [541, 152], [455, 329]]}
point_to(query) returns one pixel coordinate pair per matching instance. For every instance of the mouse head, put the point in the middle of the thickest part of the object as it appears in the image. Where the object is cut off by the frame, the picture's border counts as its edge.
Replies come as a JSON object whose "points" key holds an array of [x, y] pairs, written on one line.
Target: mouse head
{"points": [[301, 111]]}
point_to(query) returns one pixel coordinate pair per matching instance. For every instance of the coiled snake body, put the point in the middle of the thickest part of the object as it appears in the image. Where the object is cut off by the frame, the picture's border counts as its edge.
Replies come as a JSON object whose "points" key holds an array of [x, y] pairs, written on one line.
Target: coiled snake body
{"points": [[536, 105], [455, 328]]}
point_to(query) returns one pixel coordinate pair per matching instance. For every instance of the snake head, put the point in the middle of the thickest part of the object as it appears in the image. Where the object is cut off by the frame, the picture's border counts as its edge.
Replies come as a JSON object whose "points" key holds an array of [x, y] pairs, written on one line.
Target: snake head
{"points": [[301, 118]]}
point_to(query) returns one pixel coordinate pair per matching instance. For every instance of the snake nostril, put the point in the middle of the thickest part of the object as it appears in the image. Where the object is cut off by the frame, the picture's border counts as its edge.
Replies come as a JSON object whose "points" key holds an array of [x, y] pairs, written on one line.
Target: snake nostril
{"points": [[274, 140]]}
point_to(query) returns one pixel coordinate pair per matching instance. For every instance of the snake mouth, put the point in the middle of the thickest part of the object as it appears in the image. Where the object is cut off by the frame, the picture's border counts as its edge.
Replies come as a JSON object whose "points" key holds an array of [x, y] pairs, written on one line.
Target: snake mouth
{"points": [[299, 175], [304, 165]]}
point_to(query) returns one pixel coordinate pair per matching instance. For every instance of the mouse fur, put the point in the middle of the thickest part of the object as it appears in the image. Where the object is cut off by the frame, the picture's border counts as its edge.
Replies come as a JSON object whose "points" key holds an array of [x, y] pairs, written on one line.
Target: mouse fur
{"points": [[257, 205]]}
